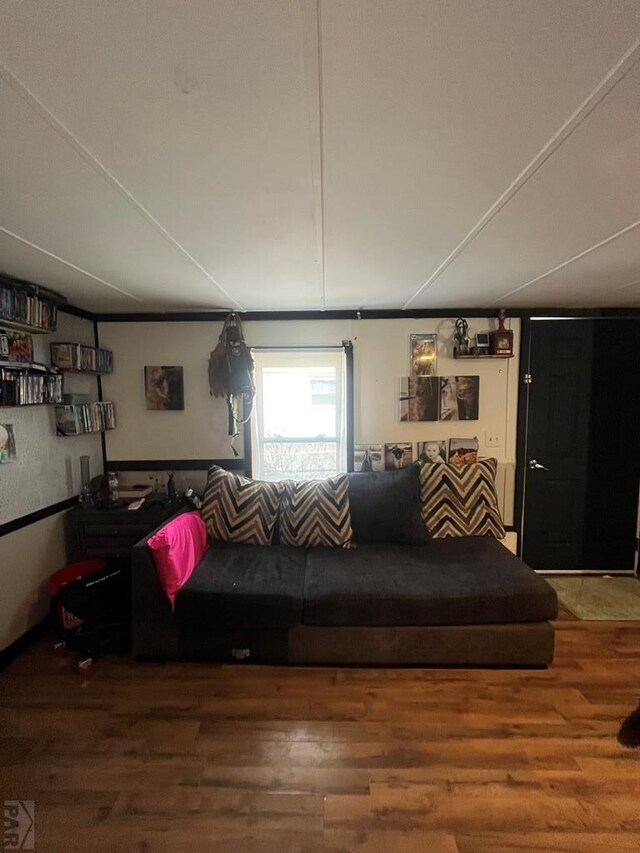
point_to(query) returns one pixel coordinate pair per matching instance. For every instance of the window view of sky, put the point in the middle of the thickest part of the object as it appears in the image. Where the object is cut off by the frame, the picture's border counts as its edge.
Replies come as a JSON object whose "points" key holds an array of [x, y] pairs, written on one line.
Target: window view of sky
{"points": [[299, 402], [300, 423]]}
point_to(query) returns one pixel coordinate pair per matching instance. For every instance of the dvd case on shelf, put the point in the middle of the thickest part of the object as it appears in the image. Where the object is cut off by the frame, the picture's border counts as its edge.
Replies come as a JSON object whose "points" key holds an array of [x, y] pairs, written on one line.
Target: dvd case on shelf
{"points": [[28, 304], [81, 357], [29, 385], [81, 419]]}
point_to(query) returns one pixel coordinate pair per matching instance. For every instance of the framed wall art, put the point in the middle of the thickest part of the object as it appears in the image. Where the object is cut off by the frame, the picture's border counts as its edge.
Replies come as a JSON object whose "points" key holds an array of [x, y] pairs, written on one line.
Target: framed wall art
{"points": [[423, 355], [163, 388], [463, 451]]}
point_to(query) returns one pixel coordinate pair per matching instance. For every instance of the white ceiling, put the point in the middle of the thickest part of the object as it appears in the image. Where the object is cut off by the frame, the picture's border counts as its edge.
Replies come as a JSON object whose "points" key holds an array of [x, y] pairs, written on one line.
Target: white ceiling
{"points": [[311, 154]]}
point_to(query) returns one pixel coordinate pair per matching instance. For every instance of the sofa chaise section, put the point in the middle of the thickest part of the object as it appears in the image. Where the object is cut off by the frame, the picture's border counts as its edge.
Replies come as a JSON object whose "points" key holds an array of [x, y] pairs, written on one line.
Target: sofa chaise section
{"points": [[466, 581]]}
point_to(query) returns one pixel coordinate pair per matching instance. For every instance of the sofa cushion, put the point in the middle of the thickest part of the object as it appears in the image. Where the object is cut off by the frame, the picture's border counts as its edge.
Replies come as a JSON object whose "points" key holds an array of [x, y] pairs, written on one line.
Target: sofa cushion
{"points": [[237, 509], [316, 513], [385, 507], [243, 586], [461, 500], [452, 581], [177, 548]]}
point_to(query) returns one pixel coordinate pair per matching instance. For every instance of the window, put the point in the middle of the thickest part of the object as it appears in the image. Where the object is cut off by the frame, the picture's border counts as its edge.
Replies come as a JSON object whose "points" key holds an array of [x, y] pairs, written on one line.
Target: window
{"points": [[298, 429]]}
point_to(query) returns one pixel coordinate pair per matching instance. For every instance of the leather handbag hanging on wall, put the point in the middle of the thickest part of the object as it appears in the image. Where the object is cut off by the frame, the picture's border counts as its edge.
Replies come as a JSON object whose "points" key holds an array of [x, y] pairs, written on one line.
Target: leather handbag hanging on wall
{"points": [[231, 374]]}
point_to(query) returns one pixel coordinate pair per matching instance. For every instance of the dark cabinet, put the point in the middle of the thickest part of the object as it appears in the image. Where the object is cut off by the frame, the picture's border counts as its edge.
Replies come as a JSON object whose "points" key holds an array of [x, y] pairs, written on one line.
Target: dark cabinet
{"points": [[110, 533]]}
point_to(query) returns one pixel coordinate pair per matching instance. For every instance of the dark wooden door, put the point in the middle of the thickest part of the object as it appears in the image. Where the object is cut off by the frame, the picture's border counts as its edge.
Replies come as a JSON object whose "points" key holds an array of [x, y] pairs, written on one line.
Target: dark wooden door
{"points": [[580, 496], [557, 439]]}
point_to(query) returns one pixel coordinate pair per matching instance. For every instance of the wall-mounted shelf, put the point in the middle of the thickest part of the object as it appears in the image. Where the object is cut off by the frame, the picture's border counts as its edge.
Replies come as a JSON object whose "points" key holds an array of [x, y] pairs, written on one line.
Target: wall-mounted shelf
{"points": [[81, 358], [455, 355], [80, 419], [23, 384], [27, 307], [25, 365], [23, 327]]}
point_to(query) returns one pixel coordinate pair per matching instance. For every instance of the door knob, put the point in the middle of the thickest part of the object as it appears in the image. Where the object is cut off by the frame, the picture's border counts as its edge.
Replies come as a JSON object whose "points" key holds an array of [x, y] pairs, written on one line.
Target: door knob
{"points": [[533, 464]]}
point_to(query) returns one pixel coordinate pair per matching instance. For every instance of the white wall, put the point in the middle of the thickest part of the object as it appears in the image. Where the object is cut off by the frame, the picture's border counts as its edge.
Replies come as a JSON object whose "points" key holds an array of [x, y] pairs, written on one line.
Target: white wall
{"points": [[28, 557], [381, 357], [45, 472], [47, 469]]}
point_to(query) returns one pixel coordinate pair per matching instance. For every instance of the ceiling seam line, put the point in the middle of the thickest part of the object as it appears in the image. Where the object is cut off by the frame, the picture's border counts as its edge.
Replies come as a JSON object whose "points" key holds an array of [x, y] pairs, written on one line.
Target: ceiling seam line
{"points": [[67, 263], [614, 76], [569, 261], [628, 284], [323, 279], [23, 91], [308, 25]]}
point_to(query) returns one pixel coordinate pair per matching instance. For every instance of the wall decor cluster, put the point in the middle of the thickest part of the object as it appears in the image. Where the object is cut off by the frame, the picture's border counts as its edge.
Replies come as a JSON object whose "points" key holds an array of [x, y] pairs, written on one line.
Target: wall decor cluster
{"points": [[426, 396], [164, 388], [393, 455]]}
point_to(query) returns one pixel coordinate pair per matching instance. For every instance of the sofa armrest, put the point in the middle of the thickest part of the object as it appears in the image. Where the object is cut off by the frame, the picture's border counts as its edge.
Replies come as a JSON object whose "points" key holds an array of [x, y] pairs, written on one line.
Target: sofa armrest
{"points": [[154, 631]]}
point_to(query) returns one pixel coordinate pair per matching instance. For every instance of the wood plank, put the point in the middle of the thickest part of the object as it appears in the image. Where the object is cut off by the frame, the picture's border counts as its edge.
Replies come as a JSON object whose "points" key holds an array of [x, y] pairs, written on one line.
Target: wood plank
{"points": [[327, 760]]}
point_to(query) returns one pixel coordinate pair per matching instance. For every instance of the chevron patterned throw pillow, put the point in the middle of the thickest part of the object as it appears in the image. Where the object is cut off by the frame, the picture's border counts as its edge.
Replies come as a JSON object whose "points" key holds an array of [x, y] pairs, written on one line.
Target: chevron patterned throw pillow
{"points": [[461, 500], [236, 509], [316, 513]]}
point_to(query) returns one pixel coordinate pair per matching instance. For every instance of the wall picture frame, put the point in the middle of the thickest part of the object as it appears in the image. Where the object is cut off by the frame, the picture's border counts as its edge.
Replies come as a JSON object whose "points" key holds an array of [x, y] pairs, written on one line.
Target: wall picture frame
{"points": [[163, 388], [459, 398], [7, 443], [419, 398], [423, 356], [398, 455], [463, 451], [432, 451], [368, 457]]}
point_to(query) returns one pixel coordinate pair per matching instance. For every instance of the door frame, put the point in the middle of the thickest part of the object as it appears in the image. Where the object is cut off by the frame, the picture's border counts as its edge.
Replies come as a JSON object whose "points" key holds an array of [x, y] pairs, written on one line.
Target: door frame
{"points": [[526, 329]]}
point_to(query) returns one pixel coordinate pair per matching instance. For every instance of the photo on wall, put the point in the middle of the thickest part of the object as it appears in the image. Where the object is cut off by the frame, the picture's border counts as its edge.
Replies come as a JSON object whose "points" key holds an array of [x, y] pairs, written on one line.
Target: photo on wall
{"points": [[463, 451], [459, 398], [419, 398], [7, 443], [163, 388], [432, 451], [398, 455], [368, 457], [424, 355]]}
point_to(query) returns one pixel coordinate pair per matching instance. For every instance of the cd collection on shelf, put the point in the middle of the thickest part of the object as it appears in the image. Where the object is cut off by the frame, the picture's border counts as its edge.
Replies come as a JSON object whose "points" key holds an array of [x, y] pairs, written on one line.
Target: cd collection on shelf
{"points": [[28, 304], [28, 386], [71, 356], [90, 417]]}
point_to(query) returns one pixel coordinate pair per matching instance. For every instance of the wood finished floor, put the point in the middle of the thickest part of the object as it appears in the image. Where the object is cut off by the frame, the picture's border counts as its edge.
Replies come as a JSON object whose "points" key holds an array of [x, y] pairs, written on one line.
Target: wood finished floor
{"points": [[196, 757]]}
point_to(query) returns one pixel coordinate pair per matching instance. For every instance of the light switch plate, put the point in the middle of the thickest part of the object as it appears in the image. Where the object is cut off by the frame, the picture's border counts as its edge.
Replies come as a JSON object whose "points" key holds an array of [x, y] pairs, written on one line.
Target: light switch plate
{"points": [[492, 439]]}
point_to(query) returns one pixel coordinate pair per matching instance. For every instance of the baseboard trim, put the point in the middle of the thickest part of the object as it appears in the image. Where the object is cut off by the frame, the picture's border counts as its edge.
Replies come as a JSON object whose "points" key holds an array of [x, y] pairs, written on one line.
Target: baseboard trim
{"points": [[35, 633]]}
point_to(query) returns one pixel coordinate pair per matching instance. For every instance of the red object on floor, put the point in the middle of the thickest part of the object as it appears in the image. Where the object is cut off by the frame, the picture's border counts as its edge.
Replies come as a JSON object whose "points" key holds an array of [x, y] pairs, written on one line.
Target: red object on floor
{"points": [[72, 572]]}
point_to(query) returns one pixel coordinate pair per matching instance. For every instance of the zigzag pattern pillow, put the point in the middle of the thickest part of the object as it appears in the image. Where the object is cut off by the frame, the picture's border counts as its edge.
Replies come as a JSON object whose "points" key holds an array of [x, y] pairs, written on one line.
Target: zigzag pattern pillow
{"points": [[461, 500], [316, 513], [236, 509]]}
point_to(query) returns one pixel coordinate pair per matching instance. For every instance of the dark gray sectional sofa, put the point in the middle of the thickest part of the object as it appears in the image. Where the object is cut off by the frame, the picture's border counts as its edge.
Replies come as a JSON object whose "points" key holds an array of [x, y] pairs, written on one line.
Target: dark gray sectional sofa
{"points": [[462, 601]]}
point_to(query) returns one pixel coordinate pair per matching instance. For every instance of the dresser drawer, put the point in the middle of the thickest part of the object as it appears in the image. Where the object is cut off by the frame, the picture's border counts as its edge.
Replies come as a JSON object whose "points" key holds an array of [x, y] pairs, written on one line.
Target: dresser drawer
{"points": [[96, 534], [96, 551], [117, 530]]}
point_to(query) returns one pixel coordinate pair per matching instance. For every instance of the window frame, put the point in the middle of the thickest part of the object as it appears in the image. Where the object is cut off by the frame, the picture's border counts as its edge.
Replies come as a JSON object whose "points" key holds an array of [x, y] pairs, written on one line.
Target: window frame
{"points": [[342, 357]]}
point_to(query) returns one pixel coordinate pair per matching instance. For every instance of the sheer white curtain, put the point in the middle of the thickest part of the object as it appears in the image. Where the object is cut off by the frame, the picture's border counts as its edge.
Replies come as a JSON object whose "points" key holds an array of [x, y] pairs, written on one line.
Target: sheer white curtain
{"points": [[298, 429]]}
